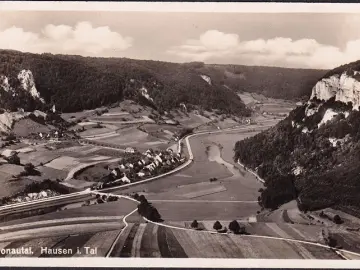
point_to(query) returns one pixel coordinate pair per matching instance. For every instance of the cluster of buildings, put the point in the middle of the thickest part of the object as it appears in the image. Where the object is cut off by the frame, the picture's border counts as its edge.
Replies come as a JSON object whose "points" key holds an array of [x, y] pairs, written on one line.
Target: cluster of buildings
{"points": [[146, 165]]}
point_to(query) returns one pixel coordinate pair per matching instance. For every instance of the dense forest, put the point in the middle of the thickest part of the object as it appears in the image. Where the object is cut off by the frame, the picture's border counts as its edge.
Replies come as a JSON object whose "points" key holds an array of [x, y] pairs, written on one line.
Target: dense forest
{"points": [[274, 82], [319, 168], [76, 83]]}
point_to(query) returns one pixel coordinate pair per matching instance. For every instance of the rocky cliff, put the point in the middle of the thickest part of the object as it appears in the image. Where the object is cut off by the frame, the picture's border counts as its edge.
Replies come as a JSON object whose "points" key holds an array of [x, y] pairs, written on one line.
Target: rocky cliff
{"points": [[344, 87], [314, 154]]}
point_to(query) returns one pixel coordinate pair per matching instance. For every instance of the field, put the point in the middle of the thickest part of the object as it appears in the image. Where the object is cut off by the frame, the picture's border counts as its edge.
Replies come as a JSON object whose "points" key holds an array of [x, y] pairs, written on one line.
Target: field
{"points": [[11, 169], [118, 208], [11, 186], [25, 127], [207, 210], [148, 240], [94, 173], [42, 156], [63, 163]]}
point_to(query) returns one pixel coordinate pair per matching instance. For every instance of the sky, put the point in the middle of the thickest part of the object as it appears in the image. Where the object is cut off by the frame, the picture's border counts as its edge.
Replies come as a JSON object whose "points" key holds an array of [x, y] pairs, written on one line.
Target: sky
{"points": [[296, 40]]}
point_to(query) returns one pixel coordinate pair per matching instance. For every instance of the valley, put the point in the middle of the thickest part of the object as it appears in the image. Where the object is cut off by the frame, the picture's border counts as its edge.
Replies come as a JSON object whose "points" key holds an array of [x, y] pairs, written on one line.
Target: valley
{"points": [[210, 187], [140, 166]]}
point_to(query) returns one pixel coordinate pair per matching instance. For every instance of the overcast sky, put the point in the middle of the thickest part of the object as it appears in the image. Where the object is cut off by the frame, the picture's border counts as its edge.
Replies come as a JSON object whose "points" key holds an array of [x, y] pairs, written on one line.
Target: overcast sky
{"points": [[287, 40]]}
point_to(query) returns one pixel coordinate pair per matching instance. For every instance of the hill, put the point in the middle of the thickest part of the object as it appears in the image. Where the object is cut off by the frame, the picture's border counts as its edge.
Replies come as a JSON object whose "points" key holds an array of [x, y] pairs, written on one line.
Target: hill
{"points": [[273, 82], [75, 83], [314, 154]]}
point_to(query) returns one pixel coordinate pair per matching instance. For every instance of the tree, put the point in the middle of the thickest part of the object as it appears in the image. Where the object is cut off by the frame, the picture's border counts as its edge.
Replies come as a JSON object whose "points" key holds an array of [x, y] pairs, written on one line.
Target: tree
{"points": [[217, 225], [136, 196], [234, 226], [194, 224], [29, 168], [142, 199], [331, 242], [337, 219], [14, 159]]}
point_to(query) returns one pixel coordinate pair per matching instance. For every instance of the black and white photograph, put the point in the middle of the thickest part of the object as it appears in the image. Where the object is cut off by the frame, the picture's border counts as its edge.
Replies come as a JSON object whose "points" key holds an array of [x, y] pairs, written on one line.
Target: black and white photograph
{"points": [[194, 133]]}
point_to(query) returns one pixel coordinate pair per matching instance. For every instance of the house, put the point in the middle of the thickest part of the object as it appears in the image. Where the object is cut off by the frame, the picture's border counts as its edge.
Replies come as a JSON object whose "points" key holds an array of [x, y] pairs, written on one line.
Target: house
{"points": [[130, 150], [141, 174], [122, 167], [38, 113], [114, 172], [159, 158], [125, 179]]}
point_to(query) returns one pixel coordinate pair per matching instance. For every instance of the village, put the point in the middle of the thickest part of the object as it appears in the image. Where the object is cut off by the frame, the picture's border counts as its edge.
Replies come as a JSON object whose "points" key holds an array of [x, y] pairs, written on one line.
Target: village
{"points": [[137, 166]]}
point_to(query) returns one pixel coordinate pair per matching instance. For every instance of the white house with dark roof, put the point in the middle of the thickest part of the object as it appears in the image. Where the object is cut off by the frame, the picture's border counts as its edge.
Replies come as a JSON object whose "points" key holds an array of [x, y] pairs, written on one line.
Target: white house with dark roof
{"points": [[130, 150]]}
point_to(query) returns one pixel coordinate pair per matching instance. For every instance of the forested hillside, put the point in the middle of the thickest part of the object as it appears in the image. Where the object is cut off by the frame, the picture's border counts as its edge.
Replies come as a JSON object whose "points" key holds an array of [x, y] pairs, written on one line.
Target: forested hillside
{"points": [[75, 83], [274, 82], [314, 154]]}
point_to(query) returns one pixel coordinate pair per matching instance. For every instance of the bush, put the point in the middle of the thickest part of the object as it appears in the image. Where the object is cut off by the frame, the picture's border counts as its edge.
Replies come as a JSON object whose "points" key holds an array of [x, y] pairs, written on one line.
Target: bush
{"points": [[234, 226], [337, 219], [217, 225], [194, 224], [14, 159], [30, 169], [99, 200]]}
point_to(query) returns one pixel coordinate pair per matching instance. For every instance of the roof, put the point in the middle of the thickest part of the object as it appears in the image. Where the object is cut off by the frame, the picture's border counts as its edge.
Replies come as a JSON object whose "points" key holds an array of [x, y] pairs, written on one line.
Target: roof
{"points": [[7, 152]]}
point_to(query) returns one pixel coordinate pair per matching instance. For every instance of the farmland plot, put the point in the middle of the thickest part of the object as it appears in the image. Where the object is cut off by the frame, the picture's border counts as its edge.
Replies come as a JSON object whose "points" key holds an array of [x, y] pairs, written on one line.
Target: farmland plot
{"points": [[176, 211], [11, 186], [149, 244], [71, 242], [37, 243], [169, 245], [11, 169], [102, 241], [117, 251], [63, 163]]}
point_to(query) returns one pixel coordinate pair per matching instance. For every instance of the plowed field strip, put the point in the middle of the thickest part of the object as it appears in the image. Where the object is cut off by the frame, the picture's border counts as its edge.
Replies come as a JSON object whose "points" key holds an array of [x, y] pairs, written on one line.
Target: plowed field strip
{"points": [[260, 245], [135, 250], [149, 246], [15, 244], [212, 247], [187, 243], [230, 248], [70, 243], [168, 244], [102, 241], [38, 243], [296, 246], [175, 248], [121, 241], [126, 250], [154, 243], [245, 246]]}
